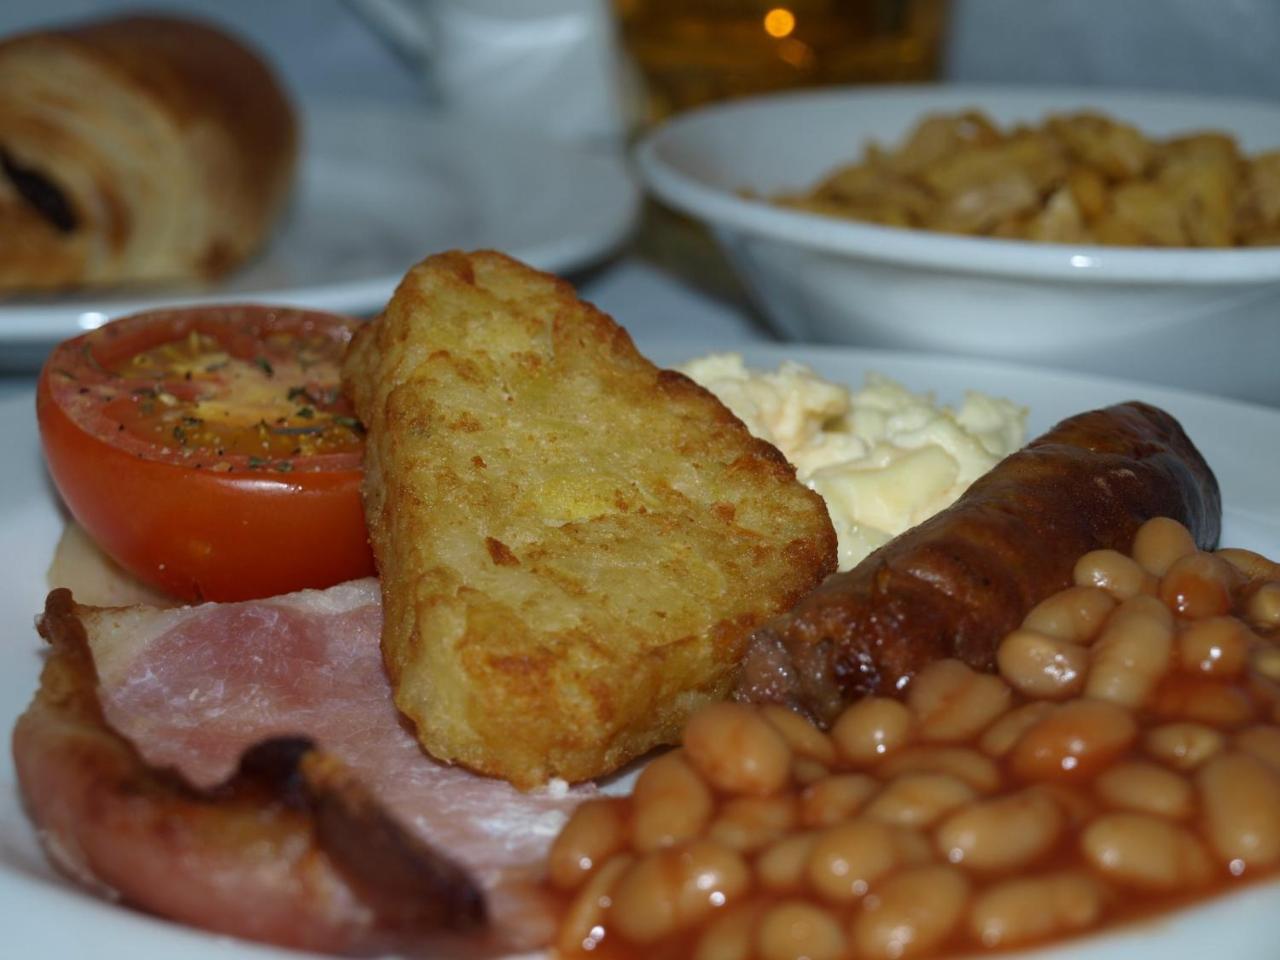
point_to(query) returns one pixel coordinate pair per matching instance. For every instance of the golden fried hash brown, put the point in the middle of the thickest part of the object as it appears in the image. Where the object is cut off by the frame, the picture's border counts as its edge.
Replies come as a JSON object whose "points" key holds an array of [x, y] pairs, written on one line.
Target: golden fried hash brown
{"points": [[574, 545]]}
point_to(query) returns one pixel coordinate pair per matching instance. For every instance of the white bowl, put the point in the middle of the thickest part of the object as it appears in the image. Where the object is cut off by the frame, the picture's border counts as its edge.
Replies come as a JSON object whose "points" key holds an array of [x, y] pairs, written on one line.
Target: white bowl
{"points": [[1206, 319]]}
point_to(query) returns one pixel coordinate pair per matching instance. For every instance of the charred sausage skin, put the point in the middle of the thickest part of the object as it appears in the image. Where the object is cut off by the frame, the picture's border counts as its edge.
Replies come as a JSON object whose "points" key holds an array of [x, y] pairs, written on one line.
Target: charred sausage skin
{"points": [[956, 584]]}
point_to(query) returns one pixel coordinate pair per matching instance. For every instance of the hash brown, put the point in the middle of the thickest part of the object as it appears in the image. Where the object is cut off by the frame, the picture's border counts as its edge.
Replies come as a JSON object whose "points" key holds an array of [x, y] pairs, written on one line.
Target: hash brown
{"points": [[574, 545]]}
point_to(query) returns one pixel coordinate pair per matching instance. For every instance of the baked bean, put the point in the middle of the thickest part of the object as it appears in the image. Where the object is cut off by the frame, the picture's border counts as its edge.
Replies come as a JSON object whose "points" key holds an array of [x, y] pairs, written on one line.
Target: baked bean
{"points": [[1041, 666], [1026, 909], [1184, 745], [1198, 585], [1263, 606], [1204, 701], [1241, 798], [849, 857], [1262, 742], [730, 936], [1253, 565], [1005, 833], [914, 847], [643, 902], [1145, 852], [1159, 543], [1074, 614], [1266, 695], [748, 823], [1000, 737], [596, 831], [1132, 653], [715, 876], [1076, 740], [1113, 572], [954, 702], [582, 925], [1266, 661], [1146, 788], [835, 798], [796, 930], [1075, 802], [866, 841], [1221, 705], [805, 771], [871, 728], [963, 763], [919, 799], [911, 913], [670, 803], [674, 888], [804, 738], [1214, 646], [737, 750], [781, 867]]}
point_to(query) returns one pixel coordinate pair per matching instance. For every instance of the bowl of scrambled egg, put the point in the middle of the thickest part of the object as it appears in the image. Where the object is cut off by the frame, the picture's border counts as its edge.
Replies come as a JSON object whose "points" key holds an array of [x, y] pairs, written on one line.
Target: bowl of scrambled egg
{"points": [[1135, 235]]}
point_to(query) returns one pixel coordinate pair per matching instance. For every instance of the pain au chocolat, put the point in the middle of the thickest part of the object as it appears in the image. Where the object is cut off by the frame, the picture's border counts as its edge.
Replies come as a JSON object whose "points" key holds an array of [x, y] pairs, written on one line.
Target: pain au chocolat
{"points": [[144, 149]]}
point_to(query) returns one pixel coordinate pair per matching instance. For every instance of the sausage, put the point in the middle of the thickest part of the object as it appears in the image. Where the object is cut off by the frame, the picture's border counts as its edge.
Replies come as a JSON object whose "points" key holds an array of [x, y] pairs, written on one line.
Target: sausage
{"points": [[956, 584]]}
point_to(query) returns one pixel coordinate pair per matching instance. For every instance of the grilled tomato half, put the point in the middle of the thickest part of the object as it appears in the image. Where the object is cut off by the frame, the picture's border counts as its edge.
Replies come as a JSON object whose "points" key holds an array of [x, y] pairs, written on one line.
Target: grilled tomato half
{"points": [[209, 450]]}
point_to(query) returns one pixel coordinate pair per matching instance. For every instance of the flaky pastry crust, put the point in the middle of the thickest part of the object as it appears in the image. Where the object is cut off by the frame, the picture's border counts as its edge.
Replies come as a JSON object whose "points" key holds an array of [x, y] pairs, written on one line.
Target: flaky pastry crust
{"points": [[137, 150]]}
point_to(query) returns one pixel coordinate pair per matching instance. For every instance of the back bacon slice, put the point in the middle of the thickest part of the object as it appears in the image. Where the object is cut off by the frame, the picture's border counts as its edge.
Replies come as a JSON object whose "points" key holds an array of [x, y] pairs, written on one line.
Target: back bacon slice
{"points": [[242, 768], [957, 583]]}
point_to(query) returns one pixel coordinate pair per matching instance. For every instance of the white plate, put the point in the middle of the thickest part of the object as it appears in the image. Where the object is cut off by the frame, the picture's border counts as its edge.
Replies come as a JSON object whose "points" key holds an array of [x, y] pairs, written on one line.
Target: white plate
{"points": [[1199, 318], [43, 916], [381, 186]]}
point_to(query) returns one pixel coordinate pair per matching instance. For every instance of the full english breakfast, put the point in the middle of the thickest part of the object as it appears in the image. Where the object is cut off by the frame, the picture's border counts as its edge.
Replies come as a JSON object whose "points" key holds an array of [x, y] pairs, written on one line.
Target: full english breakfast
{"points": [[1051, 707]]}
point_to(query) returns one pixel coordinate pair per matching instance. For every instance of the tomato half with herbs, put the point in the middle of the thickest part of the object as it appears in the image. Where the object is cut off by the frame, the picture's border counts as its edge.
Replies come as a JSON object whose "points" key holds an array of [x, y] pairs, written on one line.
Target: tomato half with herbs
{"points": [[209, 450]]}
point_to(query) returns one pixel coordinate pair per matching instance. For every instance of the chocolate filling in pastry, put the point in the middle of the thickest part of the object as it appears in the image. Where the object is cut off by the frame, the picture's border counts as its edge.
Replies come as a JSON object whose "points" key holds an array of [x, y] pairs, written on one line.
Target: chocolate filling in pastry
{"points": [[41, 193]]}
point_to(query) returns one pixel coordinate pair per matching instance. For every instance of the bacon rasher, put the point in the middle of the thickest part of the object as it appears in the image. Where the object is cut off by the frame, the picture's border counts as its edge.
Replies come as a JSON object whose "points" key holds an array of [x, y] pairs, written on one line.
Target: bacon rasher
{"points": [[241, 767]]}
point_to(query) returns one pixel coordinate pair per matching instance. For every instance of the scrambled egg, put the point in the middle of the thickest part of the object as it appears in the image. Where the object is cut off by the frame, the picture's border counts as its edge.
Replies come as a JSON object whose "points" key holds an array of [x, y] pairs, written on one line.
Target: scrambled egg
{"points": [[883, 458]]}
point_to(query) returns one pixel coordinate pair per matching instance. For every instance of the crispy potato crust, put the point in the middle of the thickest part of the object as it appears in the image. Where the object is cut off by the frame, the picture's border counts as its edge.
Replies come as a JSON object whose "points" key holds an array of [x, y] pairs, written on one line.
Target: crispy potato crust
{"points": [[574, 545]]}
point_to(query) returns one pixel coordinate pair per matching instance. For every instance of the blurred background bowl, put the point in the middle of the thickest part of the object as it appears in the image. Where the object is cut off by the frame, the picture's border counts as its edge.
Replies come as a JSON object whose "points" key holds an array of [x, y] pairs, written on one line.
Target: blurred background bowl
{"points": [[1205, 319]]}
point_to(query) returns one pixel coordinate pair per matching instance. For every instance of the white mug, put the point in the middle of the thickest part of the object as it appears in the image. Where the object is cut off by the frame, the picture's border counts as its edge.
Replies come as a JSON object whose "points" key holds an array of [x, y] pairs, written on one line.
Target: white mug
{"points": [[549, 65]]}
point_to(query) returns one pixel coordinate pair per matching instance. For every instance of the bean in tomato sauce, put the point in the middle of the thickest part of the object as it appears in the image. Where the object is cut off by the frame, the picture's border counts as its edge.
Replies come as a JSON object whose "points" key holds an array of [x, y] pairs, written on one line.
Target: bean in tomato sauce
{"points": [[1124, 760]]}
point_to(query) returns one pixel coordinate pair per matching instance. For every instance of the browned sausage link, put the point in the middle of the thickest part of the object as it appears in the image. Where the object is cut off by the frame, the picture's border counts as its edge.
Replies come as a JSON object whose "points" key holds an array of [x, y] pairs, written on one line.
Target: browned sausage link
{"points": [[956, 584]]}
